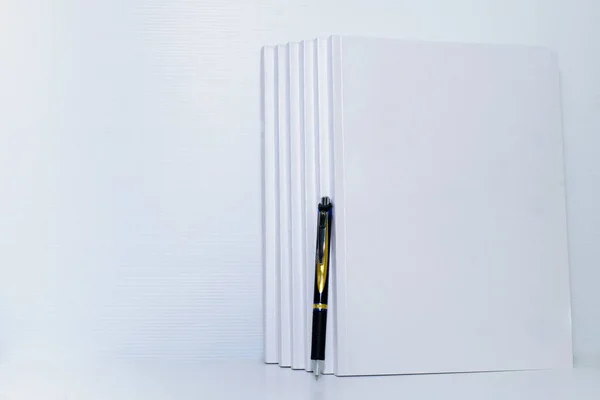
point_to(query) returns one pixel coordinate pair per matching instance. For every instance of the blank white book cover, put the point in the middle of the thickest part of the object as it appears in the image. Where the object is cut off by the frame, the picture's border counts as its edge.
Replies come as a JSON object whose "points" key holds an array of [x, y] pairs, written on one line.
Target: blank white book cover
{"points": [[270, 250], [451, 242], [285, 239], [297, 207], [311, 181]]}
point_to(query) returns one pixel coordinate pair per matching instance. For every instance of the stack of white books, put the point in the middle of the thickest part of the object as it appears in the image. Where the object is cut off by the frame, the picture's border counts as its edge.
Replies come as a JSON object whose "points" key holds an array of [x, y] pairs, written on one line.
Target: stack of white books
{"points": [[444, 164]]}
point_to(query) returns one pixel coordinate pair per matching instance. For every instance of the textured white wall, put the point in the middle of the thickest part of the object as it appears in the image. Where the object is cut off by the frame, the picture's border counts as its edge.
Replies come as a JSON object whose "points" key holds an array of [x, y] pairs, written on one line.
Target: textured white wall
{"points": [[129, 161]]}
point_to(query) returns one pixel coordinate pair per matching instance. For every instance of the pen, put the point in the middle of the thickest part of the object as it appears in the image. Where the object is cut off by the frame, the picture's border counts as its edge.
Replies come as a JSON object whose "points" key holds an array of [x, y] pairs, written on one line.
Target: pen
{"points": [[319, 322]]}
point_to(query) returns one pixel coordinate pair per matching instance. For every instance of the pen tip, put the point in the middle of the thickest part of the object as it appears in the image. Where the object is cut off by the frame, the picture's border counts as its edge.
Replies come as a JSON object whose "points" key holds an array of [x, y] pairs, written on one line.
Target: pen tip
{"points": [[317, 369]]}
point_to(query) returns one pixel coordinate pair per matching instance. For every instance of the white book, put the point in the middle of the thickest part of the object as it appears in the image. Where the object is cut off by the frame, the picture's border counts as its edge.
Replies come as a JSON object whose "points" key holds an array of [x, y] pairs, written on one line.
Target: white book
{"points": [[326, 188], [311, 184], [285, 256], [297, 207], [450, 221], [270, 228]]}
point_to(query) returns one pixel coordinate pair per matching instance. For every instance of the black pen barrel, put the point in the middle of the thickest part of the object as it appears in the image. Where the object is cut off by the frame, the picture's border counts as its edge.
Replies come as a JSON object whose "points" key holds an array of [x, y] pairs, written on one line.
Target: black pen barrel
{"points": [[319, 334]]}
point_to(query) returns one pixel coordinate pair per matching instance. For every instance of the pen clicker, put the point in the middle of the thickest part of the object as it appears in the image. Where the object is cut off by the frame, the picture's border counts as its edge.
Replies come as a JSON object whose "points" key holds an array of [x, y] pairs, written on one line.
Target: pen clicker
{"points": [[319, 321]]}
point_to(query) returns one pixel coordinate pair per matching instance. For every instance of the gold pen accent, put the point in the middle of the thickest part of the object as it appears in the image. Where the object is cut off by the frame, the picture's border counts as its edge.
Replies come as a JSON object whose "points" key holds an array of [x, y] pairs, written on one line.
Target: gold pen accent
{"points": [[320, 306], [322, 267]]}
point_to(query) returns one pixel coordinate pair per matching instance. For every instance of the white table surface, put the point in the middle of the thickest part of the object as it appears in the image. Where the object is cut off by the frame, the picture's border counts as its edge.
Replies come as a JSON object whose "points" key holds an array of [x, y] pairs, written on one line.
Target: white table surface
{"points": [[155, 379]]}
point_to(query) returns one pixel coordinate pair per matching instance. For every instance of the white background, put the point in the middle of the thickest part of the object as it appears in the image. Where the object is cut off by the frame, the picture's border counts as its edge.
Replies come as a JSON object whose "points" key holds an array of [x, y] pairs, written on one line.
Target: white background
{"points": [[130, 161]]}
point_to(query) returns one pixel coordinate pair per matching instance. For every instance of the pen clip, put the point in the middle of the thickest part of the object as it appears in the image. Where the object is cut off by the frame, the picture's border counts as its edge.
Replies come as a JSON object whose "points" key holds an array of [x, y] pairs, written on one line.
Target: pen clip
{"points": [[321, 235]]}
